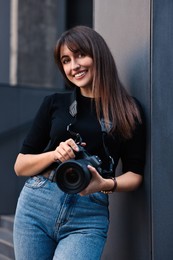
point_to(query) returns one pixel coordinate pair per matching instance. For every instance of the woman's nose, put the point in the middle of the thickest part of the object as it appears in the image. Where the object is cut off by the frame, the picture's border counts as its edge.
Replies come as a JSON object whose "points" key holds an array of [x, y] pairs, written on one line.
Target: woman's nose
{"points": [[75, 64]]}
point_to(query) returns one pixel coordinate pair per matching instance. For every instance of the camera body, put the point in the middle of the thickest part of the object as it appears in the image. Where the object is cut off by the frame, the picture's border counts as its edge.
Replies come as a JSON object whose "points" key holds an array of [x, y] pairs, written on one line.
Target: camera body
{"points": [[73, 175]]}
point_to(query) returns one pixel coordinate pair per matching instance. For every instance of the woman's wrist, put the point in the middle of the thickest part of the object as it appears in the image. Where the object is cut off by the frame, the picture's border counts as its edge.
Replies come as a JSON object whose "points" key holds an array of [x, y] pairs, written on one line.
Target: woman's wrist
{"points": [[54, 156], [113, 189]]}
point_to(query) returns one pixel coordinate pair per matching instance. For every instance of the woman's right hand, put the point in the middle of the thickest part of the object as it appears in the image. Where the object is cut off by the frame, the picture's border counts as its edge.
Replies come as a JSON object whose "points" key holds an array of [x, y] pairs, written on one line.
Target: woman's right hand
{"points": [[65, 150]]}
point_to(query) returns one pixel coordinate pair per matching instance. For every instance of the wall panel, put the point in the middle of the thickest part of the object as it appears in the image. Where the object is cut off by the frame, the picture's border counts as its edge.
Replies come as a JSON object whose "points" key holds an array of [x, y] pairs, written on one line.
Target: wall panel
{"points": [[125, 25], [162, 129]]}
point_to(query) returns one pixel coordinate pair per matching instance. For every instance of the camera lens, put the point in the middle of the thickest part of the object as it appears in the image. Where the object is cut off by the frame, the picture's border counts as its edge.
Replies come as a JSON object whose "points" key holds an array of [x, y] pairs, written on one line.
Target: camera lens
{"points": [[73, 176]]}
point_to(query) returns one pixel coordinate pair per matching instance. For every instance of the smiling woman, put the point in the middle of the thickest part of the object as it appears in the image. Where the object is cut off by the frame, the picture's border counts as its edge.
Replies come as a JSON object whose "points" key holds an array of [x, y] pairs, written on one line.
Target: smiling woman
{"points": [[93, 126]]}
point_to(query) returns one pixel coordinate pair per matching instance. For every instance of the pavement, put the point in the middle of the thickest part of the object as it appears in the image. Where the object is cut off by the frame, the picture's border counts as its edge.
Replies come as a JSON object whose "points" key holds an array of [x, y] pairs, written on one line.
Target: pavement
{"points": [[6, 238]]}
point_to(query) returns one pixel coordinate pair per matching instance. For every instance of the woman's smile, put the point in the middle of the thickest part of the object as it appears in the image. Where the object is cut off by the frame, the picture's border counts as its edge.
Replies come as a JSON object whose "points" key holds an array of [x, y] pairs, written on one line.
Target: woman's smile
{"points": [[80, 75]]}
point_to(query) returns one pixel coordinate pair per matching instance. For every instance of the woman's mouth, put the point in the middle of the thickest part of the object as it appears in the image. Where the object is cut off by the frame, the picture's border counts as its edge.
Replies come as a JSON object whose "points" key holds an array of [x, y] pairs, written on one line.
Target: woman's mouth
{"points": [[80, 74]]}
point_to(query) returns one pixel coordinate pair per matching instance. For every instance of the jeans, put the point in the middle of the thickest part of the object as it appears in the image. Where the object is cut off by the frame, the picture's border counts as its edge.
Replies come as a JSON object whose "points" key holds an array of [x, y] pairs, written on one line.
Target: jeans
{"points": [[50, 224]]}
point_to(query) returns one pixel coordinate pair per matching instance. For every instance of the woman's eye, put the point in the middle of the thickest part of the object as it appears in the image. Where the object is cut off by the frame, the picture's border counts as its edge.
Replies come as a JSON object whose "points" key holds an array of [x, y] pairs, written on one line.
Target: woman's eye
{"points": [[65, 61]]}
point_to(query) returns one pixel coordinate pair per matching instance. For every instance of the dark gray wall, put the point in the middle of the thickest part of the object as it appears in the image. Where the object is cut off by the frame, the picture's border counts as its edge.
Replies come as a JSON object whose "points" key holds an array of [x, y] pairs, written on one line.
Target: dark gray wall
{"points": [[79, 12], [162, 130], [39, 25], [18, 106]]}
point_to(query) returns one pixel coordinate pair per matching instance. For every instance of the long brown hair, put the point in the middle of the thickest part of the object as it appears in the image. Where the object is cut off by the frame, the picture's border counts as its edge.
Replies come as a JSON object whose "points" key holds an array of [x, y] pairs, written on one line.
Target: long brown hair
{"points": [[116, 105]]}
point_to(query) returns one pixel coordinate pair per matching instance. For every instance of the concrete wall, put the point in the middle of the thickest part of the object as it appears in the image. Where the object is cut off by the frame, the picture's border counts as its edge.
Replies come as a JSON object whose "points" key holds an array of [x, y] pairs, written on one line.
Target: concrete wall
{"points": [[162, 129], [125, 25], [39, 25], [18, 105], [140, 35]]}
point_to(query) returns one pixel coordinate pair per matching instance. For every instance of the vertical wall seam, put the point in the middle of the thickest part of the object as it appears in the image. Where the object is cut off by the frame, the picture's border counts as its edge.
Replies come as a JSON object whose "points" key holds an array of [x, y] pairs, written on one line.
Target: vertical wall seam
{"points": [[151, 113], [13, 41]]}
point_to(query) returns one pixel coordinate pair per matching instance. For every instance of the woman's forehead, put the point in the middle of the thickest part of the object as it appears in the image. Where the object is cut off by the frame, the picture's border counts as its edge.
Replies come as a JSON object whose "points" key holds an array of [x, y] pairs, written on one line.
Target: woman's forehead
{"points": [[65, 49], [72, 45]]}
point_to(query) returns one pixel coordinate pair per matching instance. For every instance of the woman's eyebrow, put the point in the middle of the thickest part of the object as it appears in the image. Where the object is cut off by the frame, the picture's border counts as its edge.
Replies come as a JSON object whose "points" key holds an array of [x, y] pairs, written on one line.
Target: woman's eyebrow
{"points": [[63, 56]]}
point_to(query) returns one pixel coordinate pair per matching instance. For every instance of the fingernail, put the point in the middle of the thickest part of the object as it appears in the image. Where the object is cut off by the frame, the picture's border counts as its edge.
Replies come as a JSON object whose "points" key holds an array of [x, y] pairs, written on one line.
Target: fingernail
{"points": [[76, 148]]}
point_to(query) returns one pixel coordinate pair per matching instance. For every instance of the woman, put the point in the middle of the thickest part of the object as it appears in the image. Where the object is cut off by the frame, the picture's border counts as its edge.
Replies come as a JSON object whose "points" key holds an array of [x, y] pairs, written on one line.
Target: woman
{"points": [[51, 223]]}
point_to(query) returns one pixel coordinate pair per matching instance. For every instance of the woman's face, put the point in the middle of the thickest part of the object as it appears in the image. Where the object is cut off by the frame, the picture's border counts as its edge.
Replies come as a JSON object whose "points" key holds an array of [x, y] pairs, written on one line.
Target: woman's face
{"points": [[78, 69]]}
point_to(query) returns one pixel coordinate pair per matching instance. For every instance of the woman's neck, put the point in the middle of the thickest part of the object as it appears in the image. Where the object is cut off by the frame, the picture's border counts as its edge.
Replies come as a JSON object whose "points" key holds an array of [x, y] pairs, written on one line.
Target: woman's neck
{"points": [[86, 93]]}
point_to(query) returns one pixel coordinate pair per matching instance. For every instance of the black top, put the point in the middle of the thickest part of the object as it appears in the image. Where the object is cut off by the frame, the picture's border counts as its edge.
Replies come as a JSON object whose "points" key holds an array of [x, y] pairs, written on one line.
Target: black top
{"points": [[50, 128]]}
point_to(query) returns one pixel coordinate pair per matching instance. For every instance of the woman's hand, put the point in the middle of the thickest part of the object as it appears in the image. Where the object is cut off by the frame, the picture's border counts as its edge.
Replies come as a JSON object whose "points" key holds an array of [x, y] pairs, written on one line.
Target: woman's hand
{"points": [[128, 181], [97, 183], [65, 150]]}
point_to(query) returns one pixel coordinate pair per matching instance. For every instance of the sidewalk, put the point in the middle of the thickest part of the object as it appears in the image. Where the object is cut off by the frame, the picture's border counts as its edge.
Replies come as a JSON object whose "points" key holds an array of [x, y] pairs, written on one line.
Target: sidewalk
{"points": [[6, 238]]}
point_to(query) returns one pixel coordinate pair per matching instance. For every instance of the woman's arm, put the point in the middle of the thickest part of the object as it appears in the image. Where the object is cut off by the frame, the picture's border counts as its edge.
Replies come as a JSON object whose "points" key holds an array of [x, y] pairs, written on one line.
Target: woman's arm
{"points": [[32, 164], [128, 181]]}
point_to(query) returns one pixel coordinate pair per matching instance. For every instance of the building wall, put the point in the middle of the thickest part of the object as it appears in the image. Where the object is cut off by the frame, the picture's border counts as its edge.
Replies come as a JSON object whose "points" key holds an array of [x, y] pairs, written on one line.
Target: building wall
{"points": [[140, 35], [37, 36], [125, 25], [162, 129]]}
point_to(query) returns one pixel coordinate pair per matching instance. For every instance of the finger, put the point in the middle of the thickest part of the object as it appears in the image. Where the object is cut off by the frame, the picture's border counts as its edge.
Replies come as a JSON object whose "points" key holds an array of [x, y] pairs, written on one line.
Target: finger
{"points": [[59, 154], [83, 193], [92, 170], [83, 144], [67, 148], [70, 142], [96, 177], [65, 152]]}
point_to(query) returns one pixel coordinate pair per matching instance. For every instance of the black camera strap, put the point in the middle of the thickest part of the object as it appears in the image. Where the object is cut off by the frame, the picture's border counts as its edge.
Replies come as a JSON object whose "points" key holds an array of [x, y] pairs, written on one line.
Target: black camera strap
{"points": [[109, 172], [77, 136], [78, 139]]}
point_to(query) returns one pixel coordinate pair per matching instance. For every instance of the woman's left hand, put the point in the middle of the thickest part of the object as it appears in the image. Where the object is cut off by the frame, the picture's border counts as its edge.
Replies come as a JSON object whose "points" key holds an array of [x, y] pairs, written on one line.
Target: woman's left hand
{"points": [[97, 183]]}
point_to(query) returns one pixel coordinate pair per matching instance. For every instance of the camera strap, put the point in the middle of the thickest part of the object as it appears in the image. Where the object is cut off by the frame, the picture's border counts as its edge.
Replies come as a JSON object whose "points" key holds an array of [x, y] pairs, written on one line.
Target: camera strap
{"points": [[104, 130], [111, 160]]}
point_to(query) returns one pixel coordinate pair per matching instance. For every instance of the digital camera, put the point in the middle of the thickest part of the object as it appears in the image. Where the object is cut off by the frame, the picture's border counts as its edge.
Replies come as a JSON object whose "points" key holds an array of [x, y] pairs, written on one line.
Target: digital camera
{"points": [[73, 175]]}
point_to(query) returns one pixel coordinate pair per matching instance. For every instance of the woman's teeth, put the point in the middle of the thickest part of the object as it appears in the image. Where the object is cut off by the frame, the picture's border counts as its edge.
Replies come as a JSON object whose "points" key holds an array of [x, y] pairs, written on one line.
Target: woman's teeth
{"points": [[78, 75]]}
